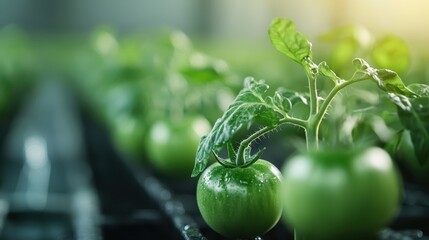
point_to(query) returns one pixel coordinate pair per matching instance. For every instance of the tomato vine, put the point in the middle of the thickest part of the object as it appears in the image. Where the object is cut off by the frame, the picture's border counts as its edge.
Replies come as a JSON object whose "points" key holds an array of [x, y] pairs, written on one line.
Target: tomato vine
{"points": [[253, 106]]}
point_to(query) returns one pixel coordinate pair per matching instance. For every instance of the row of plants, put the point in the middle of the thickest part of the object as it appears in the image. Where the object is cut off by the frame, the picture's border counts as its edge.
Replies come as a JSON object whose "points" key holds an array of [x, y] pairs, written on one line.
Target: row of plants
{"points": [[155, 93], [355, 127], [158, 96]]}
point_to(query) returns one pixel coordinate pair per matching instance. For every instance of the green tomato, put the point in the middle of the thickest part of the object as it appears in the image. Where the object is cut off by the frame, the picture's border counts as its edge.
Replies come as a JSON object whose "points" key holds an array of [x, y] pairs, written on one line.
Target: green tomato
{"points": [[240, 202], [172, 144], [128, 134], [340, 194]]}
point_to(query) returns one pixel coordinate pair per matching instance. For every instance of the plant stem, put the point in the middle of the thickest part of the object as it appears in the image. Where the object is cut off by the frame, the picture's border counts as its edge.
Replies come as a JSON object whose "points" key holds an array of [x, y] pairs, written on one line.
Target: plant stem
{"points": [[312, 72], [317, 114], [239, 161], [294, 121], [315, 120], [246, 142], [312, 135], [312, 129], [296, 236]]}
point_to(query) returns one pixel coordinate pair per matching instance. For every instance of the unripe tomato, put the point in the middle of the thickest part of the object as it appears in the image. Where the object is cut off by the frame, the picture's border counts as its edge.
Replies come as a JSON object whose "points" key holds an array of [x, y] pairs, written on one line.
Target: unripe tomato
{"points": [[240, 202], [172, 144], [129, 134], [340, 194]]}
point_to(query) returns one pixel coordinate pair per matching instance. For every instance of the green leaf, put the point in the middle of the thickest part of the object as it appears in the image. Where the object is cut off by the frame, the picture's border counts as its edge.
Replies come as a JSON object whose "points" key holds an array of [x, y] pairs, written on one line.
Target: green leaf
{"points": [[280, 102], [414, 115], [327, 72], [360, 64], [419, 89], [289, 41], [347, 42], [342, 53], [201, 68], [391, 52], [294, 97], [201, 74], [266, 116], [386, 79], [248, 106], [391, 82]]}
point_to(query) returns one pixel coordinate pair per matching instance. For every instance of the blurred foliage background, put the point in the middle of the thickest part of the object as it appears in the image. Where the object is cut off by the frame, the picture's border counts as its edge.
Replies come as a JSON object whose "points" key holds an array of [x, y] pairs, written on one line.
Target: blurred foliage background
{"points": [[223, 28], [177, 51]]}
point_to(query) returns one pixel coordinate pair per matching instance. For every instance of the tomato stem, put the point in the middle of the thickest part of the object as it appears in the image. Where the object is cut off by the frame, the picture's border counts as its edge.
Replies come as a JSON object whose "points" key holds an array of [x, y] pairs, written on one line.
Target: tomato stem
{"points": [[313, 121], [240, 161], [296, 236], [312, 135], [316, 117], [327, 102], [311, 70]]}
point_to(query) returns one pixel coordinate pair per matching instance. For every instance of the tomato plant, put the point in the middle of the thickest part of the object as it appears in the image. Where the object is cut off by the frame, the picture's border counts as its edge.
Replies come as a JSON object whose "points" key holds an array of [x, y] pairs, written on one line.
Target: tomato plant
{"points": [[354, 168], [251, 194], [340, 194]]}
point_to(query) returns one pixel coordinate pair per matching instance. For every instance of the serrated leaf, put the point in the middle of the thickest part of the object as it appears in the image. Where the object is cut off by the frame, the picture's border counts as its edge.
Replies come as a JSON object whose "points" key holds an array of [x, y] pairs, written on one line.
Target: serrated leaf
{"points": [[391, 82], [280, 102], [266, 116], [414, 115], [294, 97], [326, 71], [288, 40], [386, 79], [248, 106]]}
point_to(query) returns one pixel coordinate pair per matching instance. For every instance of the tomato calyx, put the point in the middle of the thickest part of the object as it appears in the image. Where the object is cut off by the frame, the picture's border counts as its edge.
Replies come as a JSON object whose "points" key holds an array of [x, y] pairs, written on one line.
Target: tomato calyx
{"points": [[238, 160]]}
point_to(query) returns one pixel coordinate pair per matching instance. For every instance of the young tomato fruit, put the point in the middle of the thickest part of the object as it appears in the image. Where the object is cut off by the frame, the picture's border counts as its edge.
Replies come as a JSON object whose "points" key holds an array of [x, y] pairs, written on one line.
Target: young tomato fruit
{"points": [[340, 194], [172, 144], [240, 202], [128, 134]]}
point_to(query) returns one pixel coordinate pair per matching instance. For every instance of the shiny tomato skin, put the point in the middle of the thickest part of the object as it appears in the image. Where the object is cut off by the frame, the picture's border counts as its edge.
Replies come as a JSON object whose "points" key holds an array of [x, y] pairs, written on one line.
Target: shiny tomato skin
{"points": [[340, 194], [240, 202]]}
